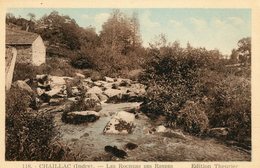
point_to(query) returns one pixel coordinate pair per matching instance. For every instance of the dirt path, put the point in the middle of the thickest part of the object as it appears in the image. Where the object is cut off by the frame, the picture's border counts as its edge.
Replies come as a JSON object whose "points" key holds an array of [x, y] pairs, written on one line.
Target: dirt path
{"points": [[89, 141]]}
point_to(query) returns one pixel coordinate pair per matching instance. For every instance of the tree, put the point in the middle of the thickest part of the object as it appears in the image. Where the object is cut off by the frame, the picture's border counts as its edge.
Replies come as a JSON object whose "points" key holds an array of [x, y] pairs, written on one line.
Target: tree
{"points": [[32, 17], [120, 32], [59, 30], [234, 56], [244, 49]]}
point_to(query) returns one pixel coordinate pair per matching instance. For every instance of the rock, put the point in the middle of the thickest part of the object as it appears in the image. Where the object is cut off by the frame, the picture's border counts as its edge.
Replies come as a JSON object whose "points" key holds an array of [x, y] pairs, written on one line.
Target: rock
{"points": [[131, 146], [115, 86], [75, 91], [115, 151], [57, 80], [95, 76], [58, 91], [161, 128], [23, 86], [78, 117], [80, 75], [108, 79], [127, 97], [92, 96], [42, 78], [125, 83], [95, 90], [39, 91], [45, 98], [221, 132], [121, 123], [73, 99], [102, 97], [43, 82], [112, 92], [55, 102], [92, 104]]}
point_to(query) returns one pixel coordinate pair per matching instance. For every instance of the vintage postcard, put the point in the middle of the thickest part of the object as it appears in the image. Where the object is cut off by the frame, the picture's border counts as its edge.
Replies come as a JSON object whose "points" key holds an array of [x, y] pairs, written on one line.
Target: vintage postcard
{"points": [[130, 84]]}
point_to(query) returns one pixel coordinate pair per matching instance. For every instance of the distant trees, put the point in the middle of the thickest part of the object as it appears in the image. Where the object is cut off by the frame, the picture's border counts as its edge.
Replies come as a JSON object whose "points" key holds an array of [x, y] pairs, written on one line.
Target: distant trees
{"points": [[243, 53], [59, 30], [244, 49], [121, 33], [20, 23]]}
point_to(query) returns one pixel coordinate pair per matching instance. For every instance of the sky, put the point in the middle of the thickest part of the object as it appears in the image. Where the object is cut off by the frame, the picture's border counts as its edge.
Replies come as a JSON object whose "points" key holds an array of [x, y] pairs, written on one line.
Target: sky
{"points": [[210, 28]]}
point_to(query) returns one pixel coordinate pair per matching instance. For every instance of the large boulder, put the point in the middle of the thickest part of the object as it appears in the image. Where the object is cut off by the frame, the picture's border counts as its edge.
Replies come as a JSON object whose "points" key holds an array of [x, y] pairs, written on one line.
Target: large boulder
{"points": [[220, 132], [28, 94], [43, 82], [58, 80], [55, 102], [108, 79], [79, 75], [102, 97], [121, 123], [23, 86], [95, 90], [51, 87], [78, 117], [92, 96], [58, 91], [113, 92]]}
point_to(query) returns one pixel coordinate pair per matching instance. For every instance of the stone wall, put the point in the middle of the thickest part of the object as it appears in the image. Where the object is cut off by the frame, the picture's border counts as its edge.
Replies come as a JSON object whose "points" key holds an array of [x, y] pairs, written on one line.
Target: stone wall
{"points": [[24, 54], [10, 59]]}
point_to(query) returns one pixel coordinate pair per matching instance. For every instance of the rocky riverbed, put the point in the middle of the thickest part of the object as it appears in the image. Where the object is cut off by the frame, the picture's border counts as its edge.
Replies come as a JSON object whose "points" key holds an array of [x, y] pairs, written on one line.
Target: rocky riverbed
{"points": [[119, 131]]}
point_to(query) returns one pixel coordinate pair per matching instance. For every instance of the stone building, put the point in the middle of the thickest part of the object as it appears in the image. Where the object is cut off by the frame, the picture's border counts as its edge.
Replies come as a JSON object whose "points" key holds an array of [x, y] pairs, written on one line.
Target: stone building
{"points": [[30, 47]]}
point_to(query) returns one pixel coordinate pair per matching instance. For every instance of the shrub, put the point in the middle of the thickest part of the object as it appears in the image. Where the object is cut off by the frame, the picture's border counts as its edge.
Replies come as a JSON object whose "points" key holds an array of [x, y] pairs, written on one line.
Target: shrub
{"points": [[29, 133], [171, 77], [192, 118], [229, 104], [24, 71], [175, 76]]}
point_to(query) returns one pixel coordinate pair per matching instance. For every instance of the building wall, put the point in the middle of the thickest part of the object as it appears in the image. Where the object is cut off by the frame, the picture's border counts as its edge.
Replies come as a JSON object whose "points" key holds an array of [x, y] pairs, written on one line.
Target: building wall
{"points": [[24, 54], [10, 58], [38, 52]]}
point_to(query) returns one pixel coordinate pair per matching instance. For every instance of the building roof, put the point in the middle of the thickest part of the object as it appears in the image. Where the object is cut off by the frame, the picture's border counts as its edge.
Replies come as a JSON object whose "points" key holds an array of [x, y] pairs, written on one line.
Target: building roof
{"points": [[19, 37]]}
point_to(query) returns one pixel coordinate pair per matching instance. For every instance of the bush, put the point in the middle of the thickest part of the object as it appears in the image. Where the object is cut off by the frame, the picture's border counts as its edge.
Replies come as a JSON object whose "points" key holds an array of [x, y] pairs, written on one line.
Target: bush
{"points": [[192, 118], [53, 66], [24, 71], [229, 104], [175, 76], [171, 76], [29, 134]]}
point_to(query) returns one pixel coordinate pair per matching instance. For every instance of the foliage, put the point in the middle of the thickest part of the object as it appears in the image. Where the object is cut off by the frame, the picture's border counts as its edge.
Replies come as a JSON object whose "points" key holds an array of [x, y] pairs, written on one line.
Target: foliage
{"points": [[171, 76], [244, 48], [24, 71], [59, 30], [228, 103], [53, 66], [192, 118], [120, 32], [176, 76], [29, 133]]}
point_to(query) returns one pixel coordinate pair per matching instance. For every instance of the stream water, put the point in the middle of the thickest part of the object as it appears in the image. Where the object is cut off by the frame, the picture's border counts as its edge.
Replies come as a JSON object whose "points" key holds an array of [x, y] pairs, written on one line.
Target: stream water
{"points": [[88, 141]]}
